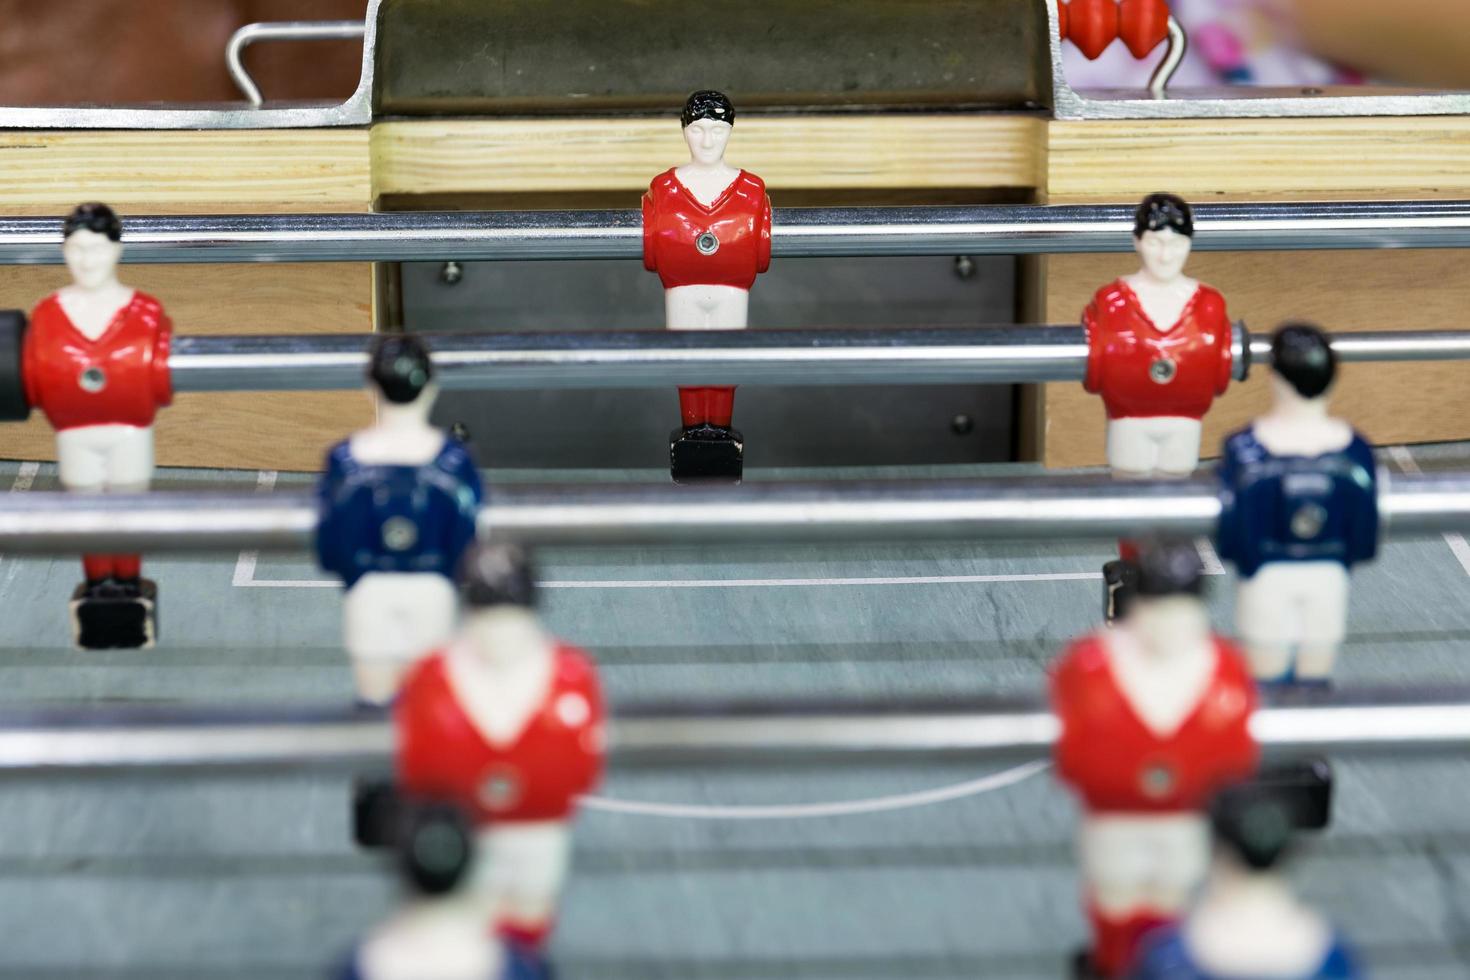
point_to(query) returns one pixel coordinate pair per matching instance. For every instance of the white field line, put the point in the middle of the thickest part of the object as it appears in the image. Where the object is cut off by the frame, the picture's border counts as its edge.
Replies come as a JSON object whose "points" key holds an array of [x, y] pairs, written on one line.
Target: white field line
{"points": [[25, 476], [1410, 466], [245, 567], [244, 575], [807, 811]]}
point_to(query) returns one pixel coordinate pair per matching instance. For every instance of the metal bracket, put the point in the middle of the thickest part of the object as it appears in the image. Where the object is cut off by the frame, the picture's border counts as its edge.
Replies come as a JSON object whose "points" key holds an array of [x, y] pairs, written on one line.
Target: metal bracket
{"points": [[288, 30], [1174, 54], [1234, 103], [356, 111]]}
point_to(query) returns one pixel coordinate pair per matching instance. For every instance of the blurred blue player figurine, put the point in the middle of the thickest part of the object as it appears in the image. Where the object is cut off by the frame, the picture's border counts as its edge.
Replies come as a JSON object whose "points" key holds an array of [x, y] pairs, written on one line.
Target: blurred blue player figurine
{"points": [[1247, 923], [398, 506], [439, 933], [1300, 508]]}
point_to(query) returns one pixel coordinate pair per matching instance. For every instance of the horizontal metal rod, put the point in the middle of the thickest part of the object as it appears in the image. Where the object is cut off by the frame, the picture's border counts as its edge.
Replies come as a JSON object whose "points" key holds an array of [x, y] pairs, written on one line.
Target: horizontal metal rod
{"points": [[420, 236], [1071, 506], [644, 358], [651, 358], [221, 741]]}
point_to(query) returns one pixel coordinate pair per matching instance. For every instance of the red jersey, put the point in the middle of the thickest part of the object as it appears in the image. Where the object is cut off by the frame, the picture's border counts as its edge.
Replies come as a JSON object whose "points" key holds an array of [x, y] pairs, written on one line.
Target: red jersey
{"points": [[121, 378], [1142, 372], [725, 244], [537, 775], [1117, 764]]}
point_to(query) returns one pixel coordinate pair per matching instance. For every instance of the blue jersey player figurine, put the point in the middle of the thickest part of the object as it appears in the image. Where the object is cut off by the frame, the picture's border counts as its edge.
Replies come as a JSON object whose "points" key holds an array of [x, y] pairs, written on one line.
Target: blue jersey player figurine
{"points": [[398, 506], [1247, 923], [440, 932], [1300, 508]]}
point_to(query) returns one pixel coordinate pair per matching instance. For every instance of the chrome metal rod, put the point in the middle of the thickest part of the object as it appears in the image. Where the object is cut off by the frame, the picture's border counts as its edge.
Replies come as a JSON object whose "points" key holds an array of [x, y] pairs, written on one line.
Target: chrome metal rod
{"points": [[1383, 345], [464, 236], [634, 359], [652, 358], [643, 514], [1073, 506], [150, 739]]}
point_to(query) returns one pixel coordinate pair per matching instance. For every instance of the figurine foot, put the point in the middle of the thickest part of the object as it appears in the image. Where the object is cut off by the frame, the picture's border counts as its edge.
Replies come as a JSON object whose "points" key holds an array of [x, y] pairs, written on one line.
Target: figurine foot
{"points": [[706, 454], [1082, 966], [1305, 787], [1120, 583], [115, 615], [375, 813], [525, 963]]}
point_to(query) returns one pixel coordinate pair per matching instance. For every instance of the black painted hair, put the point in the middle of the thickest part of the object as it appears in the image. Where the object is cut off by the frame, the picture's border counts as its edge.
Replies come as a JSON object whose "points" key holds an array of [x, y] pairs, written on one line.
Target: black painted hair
{"points": [[496, 575], [400, 367], [93, 217], [1254, 823], [436, 849], [1301, 353], [1169, 566], [708, 104], [1159, 211]]}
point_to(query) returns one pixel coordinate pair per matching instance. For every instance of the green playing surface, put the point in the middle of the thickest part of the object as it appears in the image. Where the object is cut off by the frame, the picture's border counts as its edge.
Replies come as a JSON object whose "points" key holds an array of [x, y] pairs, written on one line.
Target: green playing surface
{"points": [[213, 878]]}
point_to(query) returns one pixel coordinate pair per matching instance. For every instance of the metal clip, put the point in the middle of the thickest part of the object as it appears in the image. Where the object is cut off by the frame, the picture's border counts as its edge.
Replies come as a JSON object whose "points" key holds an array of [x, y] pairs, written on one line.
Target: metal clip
{"points": [[286, 30]]}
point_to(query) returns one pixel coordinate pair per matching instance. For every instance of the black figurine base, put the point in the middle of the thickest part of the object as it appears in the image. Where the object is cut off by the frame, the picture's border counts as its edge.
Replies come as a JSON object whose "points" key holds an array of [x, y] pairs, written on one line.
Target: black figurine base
{"points": [[1082, 966], [113, 615], [1120, 583], [1304, 786], [376, 811], [706, 454]]}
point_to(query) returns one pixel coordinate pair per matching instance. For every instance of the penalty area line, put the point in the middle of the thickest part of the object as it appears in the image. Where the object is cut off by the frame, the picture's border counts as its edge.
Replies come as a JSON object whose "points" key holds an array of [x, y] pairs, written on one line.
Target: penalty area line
{"points": [[807, 811]]}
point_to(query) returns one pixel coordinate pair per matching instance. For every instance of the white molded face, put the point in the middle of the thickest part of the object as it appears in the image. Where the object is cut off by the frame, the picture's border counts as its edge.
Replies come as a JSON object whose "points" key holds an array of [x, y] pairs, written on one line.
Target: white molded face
{"points": [[91, 257], [1163, 252], [707, 139], [1169, 623]]}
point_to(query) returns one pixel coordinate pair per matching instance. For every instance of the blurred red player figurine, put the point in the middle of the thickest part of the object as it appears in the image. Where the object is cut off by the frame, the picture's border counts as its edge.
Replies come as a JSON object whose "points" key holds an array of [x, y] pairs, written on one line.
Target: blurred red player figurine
{"points": [[707, 233], [1159, 352], [1154, 720], [95, 360], [507, 723], [1248, 922]]}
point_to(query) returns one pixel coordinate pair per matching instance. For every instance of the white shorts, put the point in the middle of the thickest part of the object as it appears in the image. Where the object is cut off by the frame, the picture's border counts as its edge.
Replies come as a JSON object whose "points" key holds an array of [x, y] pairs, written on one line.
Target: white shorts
{"points": [[706, 308], [1132, 861], [519, 869], [389, 621], [1165, 446], [1293, 603], [105, 457]]}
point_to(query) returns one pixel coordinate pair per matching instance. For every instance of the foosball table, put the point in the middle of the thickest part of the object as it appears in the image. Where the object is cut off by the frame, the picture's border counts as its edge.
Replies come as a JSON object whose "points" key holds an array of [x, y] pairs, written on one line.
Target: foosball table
{"points": [[787, 684]]}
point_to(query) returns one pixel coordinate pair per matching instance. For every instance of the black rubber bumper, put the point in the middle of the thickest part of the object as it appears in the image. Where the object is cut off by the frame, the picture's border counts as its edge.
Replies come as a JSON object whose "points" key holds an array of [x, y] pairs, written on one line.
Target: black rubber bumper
{"points": [[13, 404]]}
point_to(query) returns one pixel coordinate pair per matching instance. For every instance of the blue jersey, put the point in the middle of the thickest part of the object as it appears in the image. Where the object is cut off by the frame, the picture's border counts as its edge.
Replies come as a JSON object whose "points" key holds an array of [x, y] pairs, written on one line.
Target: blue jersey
{"points": [[511, 969], [396, 518], [1296, 508], [1165, 956]]}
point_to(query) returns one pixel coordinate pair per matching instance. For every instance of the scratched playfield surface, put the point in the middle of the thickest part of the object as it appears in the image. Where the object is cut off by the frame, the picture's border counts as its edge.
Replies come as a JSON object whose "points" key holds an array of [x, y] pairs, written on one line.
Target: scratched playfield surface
{"points": [[256, 878]]}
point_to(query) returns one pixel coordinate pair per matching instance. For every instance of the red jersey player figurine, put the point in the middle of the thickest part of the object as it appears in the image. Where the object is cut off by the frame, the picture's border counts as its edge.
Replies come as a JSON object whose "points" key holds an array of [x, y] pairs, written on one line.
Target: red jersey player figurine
{"points": [[1154, 720], [506, 722], [707, 233], [1159, 352], [95, 360]]}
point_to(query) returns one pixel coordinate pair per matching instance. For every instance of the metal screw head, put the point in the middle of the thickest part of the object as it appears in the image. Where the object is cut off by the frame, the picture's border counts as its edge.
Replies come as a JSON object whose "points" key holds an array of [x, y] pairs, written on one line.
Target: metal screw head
{"points": [[962, 424], [93, 379], [964, 267], [460, 431], [451, 273]]}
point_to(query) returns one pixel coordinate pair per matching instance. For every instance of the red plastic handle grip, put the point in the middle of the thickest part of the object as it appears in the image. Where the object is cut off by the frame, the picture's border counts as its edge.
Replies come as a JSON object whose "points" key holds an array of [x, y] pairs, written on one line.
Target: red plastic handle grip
{"points": [[1092, 25]]}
